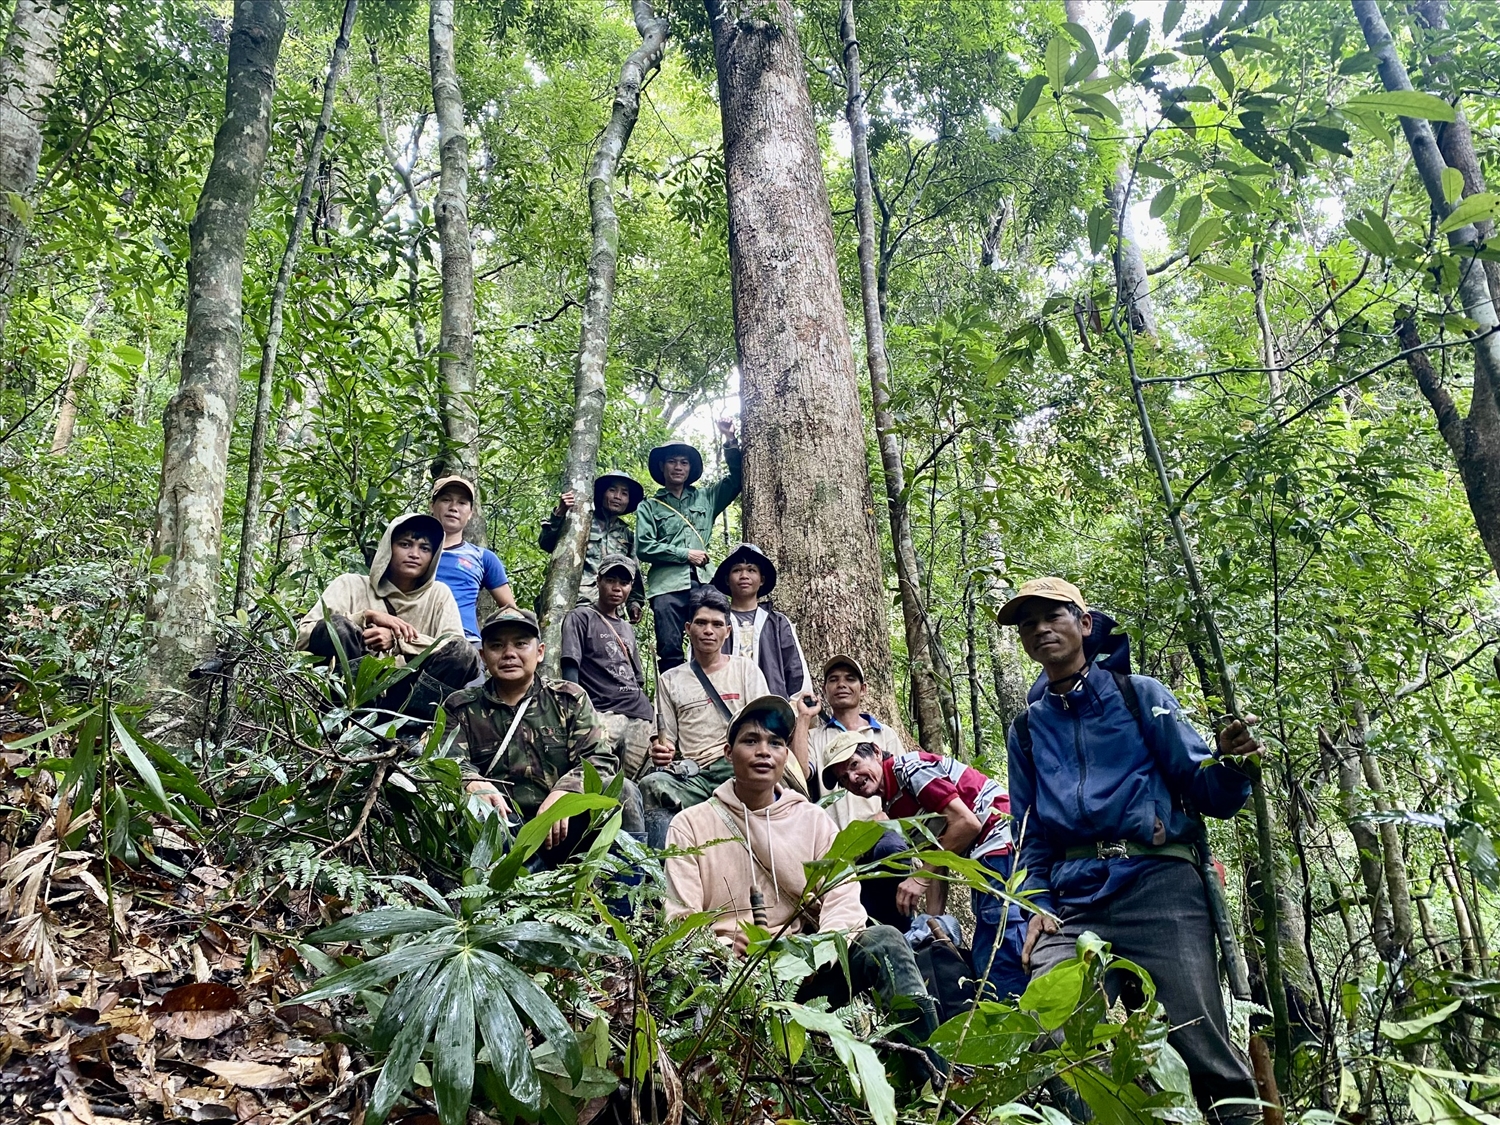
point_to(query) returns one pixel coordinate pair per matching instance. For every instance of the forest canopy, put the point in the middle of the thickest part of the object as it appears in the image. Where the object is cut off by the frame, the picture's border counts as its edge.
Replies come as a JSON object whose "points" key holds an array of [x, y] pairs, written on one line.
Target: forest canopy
{"points": [[1193, 304]]}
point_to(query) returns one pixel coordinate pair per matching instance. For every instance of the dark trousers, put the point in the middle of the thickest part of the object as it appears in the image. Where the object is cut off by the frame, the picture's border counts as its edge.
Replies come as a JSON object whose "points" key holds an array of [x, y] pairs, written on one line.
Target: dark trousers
{"points": [[878, 895], [882, 963], [999, 934], [669, 618], [445, 670], [1162, 923]]}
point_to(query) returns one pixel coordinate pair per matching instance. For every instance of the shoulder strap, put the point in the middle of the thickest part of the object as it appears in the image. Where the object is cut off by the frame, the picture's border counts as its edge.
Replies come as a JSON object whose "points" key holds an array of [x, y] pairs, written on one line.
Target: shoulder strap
{"points": [[630, 655], [1022, 726], [712, 692], [509, 734], [685, 521]]}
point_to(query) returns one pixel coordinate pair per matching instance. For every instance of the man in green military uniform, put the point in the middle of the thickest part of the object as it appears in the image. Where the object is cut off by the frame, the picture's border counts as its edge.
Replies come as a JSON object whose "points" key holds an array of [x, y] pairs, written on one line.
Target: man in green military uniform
{"points": [[673, 530], [615, 497], [521, 740]]}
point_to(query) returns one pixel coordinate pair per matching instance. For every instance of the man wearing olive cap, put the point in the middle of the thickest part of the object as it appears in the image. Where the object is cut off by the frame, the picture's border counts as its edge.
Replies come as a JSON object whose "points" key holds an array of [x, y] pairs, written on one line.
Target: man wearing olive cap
{"points": [[615, 497], [673, 530], [465, 568], [1108, 782]]}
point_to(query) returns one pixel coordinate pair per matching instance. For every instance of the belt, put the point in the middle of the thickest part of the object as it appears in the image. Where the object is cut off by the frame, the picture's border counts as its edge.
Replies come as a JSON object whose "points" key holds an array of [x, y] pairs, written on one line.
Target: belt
{"points": [[1121, 849]]}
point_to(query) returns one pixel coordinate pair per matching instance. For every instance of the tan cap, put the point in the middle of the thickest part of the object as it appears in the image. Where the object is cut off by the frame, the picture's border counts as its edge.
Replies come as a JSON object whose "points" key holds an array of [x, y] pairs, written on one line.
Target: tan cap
{"points": [[843, 658], [443, 482], [844, 746], [511, 615], [1048, 589]]}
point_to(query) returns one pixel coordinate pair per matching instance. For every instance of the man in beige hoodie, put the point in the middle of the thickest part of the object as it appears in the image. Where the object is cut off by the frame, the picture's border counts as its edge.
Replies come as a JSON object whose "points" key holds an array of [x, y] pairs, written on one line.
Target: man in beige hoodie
{"points": [[399, 609], [755, 834]]}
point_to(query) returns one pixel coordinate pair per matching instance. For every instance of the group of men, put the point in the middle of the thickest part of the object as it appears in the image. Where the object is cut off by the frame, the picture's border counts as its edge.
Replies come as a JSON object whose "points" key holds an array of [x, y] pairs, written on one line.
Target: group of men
{"points": [[743, 768]]}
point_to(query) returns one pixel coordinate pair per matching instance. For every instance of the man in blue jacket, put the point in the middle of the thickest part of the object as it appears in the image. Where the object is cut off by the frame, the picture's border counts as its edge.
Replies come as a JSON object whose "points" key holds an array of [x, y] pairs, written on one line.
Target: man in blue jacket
{"points": [[1107, 780]]}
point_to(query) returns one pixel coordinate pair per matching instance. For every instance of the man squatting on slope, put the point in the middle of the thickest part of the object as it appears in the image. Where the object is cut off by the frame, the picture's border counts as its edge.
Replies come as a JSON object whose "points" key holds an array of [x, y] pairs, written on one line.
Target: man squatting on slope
{"points": [[1107, 780], [398, 608]]}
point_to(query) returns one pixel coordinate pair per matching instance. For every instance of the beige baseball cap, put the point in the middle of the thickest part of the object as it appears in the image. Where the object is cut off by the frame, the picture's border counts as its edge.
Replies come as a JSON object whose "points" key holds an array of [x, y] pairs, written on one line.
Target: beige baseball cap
{"points": [[443, 482], [1048, 589], [843, 747]]}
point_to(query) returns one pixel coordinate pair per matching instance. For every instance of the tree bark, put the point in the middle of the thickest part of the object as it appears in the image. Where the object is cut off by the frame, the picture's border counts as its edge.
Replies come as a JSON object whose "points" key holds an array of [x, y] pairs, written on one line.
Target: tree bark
{"points": [[1382, 926], [28, 71], [1269, 354], [78, 366], [256, 472], [807, 488], [561, 586], [196, 428], [921, 639], [456, 340]]}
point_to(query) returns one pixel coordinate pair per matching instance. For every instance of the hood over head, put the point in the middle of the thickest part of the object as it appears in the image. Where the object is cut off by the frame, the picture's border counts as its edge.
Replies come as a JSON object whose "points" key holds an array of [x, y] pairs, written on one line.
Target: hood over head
{"points": [[383, 588]]}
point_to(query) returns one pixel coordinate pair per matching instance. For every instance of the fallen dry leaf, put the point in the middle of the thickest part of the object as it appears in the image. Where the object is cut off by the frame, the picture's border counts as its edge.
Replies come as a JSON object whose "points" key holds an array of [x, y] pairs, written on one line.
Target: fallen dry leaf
{"points": [[253, 1076], [196, 1025]]}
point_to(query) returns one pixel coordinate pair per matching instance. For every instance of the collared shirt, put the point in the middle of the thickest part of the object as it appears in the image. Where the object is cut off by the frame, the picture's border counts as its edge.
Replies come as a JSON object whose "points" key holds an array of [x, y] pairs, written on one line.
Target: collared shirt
{"points": [[608, 535], [921, 782], [687, 717], [667, 527], [849, 807], [557, 733]]}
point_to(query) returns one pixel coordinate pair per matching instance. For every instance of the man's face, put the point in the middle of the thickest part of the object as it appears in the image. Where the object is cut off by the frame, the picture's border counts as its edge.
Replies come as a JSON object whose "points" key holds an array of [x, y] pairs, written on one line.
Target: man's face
{"points": [[843, 688], [411, 555], [614, 588], [706, 632], [861, 775], [452, 508], [511, 654], [744, 580], [758, 755], [1050, 634], [676, 469], [617, 498]]}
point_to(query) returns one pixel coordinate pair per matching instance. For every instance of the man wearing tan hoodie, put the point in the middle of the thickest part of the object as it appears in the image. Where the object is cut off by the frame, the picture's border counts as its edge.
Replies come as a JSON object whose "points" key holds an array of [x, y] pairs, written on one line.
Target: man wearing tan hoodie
{"points": [[399, 609], [753, 833]]}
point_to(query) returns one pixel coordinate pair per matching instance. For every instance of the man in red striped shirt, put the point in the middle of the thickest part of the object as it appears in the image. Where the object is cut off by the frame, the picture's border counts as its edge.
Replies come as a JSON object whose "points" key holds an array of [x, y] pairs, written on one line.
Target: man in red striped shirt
{"points": [[976, 815]]}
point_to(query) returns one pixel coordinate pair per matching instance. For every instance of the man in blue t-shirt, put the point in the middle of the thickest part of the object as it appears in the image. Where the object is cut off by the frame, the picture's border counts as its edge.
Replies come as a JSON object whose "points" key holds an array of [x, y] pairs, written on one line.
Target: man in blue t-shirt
{"points": [[464, 567]]}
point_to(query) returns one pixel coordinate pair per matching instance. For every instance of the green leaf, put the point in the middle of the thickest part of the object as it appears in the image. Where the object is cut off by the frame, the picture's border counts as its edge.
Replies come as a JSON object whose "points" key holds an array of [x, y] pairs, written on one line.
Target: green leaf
{"points": [[1203, 235], [1118, 31], [1187, 214], [1056, 61], [1221, 72], [138, 760], [368, 974], [1029, 95], [537, 1006], [1140, 39], [505, 1039], [1172, 14], [1327, 138], [1406, 103], [386, 921], [788, 1039], [406, 1049], [854, 840], [50, 732], [1055, 346], [1226, 274], [453, 1044], [1101, 220], [1054, 994], [1102, 106], [992, 1035], [1453, 185], [1477, 208], [1405, 1031], [866, 1071]]}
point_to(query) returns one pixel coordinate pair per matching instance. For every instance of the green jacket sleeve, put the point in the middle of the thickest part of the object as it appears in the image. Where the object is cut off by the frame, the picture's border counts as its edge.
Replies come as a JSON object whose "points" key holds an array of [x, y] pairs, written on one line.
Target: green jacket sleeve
{"points": [[654, 541], [728, 489]]}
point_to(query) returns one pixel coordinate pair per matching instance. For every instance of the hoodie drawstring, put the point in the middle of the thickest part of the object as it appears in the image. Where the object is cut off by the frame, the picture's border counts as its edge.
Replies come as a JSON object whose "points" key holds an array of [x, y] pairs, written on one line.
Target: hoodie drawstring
{"points": [[770, 844]]}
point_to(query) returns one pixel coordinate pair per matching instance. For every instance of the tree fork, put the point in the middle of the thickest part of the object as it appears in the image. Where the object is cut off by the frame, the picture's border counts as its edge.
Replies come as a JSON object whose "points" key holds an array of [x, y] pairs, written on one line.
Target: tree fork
{"points": [[563, 572], [922, 642], [256, 470]]}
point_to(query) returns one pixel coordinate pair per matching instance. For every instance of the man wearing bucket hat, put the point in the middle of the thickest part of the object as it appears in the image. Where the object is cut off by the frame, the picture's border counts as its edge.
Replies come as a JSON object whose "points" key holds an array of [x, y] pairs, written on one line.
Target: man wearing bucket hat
{"points": [[1108, 782], [757, 629], [673, 530], [521, 739], [401, 610], [615, 497], [599, 654], [466, 568]]}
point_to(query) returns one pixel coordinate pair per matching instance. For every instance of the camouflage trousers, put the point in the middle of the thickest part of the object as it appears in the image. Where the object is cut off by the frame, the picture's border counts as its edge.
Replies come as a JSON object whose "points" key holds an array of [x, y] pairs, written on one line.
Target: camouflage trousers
{"points": [[630, 739]]}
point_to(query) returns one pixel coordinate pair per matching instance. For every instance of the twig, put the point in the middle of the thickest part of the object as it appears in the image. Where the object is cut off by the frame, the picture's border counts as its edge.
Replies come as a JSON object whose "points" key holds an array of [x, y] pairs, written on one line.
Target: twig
{"points": [[312, 1109], [364, 813]]}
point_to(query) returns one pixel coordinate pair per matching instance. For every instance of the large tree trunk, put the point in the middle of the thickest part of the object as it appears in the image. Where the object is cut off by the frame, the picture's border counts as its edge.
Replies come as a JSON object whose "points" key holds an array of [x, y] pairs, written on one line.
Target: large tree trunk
{"points": [[195, 457], [255, 475], [456, 340], [561, 586], [807, 488], [28, 70], [921, 639], [78, 367]]}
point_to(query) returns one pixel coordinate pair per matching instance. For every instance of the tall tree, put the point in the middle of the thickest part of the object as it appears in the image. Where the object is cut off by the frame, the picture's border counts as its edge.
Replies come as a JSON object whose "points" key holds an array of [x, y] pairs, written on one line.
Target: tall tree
{"points": [[922, 640], [28, 71], [807, 498], [563, 573], [78, 367], [256, 470], [196, 428], [456, 340]]}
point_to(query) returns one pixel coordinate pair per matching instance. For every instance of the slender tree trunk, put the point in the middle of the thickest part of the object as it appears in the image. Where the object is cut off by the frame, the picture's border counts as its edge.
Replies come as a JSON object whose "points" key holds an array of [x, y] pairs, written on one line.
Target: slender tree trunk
{"points": [[456, 341], [1382, 926], [921, 638], [78, 366], [1393, 857], [561, 586], [1269, 354], [255, 475], [28, 71], [195, 458], [807, 487], [403, 173]]}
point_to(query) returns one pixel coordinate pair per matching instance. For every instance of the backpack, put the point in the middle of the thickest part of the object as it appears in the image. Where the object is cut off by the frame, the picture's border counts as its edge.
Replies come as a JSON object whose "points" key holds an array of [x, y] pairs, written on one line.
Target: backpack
{"points": [[949, 977]]}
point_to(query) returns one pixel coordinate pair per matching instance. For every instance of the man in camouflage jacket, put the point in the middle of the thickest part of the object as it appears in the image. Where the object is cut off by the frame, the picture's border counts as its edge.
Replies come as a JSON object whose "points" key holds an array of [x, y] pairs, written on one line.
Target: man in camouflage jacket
{"points": [[521, 740]]}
